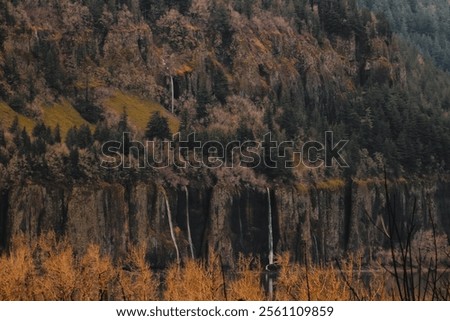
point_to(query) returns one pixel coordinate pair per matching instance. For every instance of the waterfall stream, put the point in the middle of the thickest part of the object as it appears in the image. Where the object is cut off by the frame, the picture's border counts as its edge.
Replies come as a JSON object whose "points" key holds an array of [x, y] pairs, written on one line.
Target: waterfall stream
{"points": [[172, 233], [271, 261], [191, 245], [172, 89]]}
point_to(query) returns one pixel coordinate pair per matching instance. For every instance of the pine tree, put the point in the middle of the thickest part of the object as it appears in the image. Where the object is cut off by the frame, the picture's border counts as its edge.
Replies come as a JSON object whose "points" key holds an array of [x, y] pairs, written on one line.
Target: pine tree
{"points": [[14, 125], [220, 85], [39, 147], [41, 131], [57, 134], [221, 28], [71, 138], [290, 121], [2, 137], [84, 139], [123, 129], [244, 133], [43, 136], [158, 127], [102, 133], [244, 7], [123, 122], [74, 160], [24, 143], [268, 119], [203, 99]]}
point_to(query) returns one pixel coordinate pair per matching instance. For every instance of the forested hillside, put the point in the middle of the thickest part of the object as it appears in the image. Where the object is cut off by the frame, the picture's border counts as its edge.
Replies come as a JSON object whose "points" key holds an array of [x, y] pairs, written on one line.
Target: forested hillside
{"points": [[424, 23], [74, 74]]}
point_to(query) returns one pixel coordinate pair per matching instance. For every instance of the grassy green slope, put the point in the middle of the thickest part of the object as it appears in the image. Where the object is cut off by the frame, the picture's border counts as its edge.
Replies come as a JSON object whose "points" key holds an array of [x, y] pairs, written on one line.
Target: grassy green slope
{"points": [[139, 110], [8, 115]]}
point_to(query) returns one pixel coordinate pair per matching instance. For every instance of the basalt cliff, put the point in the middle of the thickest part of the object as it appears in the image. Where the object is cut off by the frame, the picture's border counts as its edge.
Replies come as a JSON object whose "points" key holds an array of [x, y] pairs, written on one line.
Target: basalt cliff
{"points": [[312, 223], [75, 75]]}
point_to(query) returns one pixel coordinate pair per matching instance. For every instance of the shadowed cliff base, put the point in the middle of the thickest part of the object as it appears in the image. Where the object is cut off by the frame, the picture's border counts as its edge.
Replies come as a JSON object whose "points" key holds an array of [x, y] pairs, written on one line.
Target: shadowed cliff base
{"points": [[323, 222]]}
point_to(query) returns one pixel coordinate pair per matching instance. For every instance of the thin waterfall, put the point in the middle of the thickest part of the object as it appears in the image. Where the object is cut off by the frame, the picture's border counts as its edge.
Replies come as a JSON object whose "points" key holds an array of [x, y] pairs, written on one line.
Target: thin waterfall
{"points": [[241, 229], [191, 245], [271, 261], [172, 233], [172, 89], [316, 247]]}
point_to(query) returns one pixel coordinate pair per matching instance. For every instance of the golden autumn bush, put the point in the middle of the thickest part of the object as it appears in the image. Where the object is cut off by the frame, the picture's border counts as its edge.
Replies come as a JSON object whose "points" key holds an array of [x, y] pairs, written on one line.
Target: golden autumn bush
{"points": [[50, 270]]}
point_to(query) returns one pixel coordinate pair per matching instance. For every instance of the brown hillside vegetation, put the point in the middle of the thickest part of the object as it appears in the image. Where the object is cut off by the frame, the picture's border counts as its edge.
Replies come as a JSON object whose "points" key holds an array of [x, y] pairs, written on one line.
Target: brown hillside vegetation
{"points": [[50, 270]]}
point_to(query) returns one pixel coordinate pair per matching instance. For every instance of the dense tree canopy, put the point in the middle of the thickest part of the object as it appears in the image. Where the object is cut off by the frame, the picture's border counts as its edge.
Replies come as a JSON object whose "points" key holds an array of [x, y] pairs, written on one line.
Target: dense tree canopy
{"points": [[424, 23], [235, 69]]}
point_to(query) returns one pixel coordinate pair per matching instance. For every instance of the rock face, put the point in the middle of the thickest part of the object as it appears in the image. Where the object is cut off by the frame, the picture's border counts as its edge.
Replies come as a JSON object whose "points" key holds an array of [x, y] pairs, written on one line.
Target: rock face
{"points": [[312, 224]]}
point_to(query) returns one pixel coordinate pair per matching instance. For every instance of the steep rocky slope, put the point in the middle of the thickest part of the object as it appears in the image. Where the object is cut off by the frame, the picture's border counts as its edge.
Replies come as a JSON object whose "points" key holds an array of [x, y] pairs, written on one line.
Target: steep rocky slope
{"points": [[317, 224]]}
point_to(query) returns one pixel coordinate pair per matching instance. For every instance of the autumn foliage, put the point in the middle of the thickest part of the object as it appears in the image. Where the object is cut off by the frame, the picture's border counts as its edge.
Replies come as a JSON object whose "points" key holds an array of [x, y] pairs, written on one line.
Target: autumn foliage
{"points": [[50, 270]]}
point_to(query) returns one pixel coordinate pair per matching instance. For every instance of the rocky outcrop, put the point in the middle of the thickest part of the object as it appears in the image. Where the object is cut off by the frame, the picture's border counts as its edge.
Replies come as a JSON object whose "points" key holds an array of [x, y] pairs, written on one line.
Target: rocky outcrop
{"points": [[311, 223]]}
